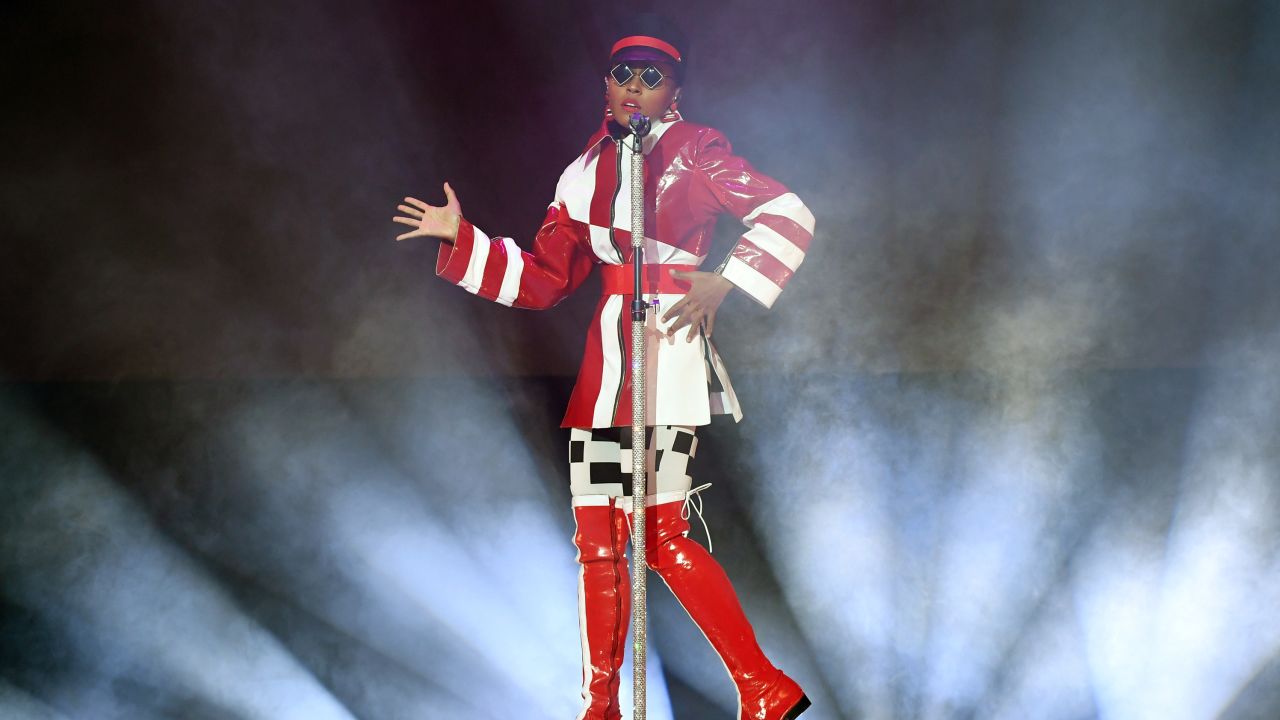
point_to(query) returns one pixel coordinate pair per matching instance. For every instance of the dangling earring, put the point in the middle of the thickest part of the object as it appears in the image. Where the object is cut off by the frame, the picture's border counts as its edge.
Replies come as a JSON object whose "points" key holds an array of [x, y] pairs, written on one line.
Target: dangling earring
{"points": [[608, 112], [673, 113]]}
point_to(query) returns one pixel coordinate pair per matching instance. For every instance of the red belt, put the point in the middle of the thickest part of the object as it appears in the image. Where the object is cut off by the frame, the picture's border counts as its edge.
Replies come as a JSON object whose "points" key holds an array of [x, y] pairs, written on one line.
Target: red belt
{"points": [[620, 280]]}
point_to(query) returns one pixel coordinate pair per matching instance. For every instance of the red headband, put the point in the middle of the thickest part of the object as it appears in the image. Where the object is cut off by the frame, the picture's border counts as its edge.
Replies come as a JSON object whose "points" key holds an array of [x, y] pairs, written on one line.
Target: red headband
{"points": [[646, 41]]}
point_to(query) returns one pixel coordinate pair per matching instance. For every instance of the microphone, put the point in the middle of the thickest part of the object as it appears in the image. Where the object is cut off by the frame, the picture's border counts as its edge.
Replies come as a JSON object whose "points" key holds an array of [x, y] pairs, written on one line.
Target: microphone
{"points": [[639, 125]]}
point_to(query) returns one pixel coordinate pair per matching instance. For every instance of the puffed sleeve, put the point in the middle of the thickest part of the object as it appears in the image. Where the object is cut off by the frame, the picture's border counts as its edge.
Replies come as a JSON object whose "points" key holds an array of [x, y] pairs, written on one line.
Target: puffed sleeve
{"points": [[497, 269], [779, 226]]}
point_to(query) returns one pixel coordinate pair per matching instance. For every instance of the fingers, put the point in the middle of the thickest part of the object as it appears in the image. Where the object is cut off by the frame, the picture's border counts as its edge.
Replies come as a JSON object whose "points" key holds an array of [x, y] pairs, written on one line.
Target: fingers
{"points": [[415, 223], [706, 323], [417, 203], [451, 199], [675, 310], [693, 318], [411, 212], [686, 320]]}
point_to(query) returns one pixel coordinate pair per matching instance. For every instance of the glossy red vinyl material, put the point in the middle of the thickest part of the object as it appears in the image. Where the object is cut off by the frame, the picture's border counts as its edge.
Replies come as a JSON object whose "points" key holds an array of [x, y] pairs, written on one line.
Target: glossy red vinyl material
{"points": [[604, 600], [702, 588], [691, 176]]}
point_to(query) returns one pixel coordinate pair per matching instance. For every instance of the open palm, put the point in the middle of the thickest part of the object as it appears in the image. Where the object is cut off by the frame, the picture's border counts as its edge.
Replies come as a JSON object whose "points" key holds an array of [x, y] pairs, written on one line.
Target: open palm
{"points": [[430, 220]]}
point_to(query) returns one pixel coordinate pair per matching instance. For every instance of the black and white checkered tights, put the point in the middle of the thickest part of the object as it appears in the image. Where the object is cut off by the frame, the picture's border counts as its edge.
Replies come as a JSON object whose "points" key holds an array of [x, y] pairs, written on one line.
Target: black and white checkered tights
{"points": [[600, 460]]}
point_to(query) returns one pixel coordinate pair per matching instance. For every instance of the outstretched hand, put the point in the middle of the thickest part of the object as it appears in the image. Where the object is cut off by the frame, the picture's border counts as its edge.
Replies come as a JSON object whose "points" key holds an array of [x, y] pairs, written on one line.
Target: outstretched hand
{"points": [[698, 307], [430, 220]]}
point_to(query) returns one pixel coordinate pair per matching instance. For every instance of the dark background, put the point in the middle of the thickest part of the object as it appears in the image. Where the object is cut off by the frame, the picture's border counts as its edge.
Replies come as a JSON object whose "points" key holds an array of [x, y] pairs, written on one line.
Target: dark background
{"points": [[1011, 438]]}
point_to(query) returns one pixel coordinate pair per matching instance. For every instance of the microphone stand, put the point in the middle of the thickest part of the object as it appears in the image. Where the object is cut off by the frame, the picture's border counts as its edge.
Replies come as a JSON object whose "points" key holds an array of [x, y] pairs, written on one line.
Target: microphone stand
{"points": [[639, 448]]}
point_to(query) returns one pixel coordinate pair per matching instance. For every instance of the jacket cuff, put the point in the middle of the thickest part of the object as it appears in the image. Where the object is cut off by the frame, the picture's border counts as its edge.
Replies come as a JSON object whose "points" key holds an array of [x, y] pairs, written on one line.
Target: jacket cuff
{"points": [[750, 281], [452, 260]]}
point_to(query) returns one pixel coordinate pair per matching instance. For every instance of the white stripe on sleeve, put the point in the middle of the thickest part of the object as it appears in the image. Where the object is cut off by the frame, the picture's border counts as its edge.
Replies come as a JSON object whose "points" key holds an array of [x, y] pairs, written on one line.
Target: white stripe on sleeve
{"points": [[512, 273], [770, 241], [749, 280], [789, 206], [474, 275]]}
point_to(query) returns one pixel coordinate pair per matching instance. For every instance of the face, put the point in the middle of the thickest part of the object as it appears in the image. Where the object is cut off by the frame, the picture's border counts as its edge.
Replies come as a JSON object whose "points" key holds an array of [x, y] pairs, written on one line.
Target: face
{"points": [[634, 95]]}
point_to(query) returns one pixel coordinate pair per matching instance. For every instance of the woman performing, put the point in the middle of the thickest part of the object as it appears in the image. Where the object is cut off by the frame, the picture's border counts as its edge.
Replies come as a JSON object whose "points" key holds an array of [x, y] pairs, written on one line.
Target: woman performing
{"points": [[690, 177]]}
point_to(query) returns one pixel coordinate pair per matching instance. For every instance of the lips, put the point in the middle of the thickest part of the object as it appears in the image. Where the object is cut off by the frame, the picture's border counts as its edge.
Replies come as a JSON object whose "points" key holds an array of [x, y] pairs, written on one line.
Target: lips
{"points": [[629, 105]]}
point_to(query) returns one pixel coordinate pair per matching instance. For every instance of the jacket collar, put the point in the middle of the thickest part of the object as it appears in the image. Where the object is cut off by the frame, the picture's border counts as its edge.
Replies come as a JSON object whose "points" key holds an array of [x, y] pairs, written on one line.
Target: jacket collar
{"points": [[656, 131]]}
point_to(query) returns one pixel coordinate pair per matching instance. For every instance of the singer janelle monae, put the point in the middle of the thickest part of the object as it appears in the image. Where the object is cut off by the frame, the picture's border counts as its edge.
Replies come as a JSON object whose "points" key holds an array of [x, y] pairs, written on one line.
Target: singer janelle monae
{"points": [[691, 175]]}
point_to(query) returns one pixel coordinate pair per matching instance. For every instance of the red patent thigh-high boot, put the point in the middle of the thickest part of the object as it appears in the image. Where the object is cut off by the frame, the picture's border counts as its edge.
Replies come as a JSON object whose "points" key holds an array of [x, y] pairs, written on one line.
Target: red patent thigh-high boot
{"points": [[604, 601], [701, 586]]}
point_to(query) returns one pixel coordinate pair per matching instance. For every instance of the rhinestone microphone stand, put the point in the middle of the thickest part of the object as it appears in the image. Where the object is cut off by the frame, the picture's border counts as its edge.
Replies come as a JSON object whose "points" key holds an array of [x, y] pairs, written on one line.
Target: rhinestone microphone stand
{"points": [[639, 448]]}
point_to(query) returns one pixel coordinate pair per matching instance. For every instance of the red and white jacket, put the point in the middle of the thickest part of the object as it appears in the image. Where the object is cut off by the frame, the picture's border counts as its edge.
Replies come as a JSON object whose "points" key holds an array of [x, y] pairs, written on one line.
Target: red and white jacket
{"points": [[691, 176]]}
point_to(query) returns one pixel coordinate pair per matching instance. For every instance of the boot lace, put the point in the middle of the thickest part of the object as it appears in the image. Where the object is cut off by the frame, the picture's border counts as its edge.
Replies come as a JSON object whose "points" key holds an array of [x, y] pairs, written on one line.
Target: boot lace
{"points": [[693, 499]]}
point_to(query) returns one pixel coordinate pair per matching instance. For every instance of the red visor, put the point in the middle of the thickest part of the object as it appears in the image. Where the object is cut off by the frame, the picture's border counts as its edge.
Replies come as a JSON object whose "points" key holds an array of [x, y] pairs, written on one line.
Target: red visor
{"points": [[646, 41]]}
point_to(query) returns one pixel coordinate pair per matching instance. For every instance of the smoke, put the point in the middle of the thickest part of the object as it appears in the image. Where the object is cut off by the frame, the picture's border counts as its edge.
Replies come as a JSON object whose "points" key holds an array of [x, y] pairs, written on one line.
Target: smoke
{"points": [[1013, 539], [146, 625], [19, 705], [1010, 440]]}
